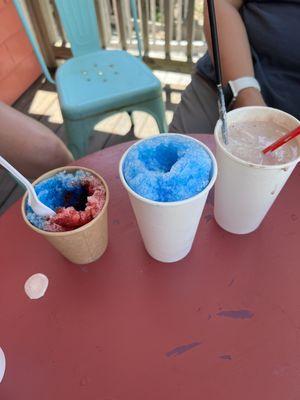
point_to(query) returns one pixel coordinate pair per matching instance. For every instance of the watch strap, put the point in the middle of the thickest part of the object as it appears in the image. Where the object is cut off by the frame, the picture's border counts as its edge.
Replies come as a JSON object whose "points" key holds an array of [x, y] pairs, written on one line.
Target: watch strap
{"points": [[243, 83]]}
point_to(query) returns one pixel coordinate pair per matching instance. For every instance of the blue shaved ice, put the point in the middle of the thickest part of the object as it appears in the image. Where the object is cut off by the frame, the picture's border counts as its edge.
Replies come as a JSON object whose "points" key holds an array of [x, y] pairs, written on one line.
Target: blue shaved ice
{"points": [[167, 168], [61, 190]]}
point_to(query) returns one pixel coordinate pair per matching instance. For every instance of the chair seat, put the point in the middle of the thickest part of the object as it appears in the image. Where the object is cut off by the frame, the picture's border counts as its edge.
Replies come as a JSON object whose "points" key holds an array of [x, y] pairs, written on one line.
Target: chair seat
{"points": [[104, 81]]}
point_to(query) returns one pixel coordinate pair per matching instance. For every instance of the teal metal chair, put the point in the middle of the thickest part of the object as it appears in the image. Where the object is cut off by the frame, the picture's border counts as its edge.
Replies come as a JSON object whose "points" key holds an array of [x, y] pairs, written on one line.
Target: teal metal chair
{"points": [[97, 83]]}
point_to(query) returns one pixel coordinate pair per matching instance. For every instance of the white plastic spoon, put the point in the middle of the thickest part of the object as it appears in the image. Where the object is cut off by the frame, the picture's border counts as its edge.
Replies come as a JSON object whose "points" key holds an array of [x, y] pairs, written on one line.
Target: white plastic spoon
{"points": [[38, 207]]}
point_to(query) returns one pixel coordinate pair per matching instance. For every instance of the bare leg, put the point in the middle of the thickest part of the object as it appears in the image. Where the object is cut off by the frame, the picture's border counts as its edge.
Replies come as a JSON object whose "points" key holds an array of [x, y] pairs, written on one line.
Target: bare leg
{"points": [[28, 145], [198, 110]]}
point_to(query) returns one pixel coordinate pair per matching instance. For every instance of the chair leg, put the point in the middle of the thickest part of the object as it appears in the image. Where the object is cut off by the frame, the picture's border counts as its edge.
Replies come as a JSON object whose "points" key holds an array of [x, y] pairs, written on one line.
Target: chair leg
{"points": [[157, 109], [78, 133]]}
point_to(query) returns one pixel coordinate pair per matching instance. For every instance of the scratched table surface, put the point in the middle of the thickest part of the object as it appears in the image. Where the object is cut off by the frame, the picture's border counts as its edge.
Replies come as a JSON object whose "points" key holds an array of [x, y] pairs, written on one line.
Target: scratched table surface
{"points": [[222, 324]]}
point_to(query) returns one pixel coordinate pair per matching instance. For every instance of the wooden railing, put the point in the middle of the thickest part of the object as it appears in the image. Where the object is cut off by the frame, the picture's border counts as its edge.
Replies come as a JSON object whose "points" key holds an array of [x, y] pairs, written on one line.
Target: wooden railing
{"points": [[171, 30]]}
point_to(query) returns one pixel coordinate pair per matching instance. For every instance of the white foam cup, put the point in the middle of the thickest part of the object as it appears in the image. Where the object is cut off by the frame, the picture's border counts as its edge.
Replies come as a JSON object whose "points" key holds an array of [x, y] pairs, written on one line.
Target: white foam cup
{"points": [[244, 192], [168, 229], [2, 364]]}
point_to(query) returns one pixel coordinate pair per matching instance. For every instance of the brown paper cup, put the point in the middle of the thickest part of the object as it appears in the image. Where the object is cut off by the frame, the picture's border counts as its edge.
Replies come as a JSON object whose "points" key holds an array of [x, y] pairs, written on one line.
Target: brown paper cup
{"points": [[82, 245]]}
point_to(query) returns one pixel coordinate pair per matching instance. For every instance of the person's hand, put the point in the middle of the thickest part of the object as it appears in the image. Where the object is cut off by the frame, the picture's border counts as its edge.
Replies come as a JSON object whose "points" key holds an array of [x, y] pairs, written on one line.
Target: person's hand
{"points": [[249, 97]]}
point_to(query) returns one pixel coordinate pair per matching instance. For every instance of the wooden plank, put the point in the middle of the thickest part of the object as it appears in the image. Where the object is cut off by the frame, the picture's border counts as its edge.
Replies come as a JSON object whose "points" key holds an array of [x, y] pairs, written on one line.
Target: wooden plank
{"points": [[58, 24], [103, 10], [107, 15], [23, 102], [153, 19], [168, 13], [104, 21], [121, 21], [169, 65], [50, 113], [185, 67], [99, 7], [128, 21], [145, 28], [118, 123], [114, 13], [62, 53], [161, 6], [42, 36], [39, 101], [48, 14], [185, 8], [145, 125], [171, 2], [190, 29], [163, 64], [179, 21]]}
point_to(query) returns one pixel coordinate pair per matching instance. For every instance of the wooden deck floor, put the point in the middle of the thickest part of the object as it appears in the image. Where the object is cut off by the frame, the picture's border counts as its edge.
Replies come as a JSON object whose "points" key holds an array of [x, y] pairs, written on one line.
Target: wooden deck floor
{"points": [[40, 102]]}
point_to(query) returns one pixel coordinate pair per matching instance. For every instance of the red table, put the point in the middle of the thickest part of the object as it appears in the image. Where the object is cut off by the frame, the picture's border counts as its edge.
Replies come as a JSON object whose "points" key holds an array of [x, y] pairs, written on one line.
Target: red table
{"points": [[223, 324]]}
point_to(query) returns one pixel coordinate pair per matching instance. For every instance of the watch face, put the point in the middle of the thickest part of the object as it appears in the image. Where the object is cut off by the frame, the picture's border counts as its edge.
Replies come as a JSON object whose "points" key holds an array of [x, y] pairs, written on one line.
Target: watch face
{"points": [[228, 94]]}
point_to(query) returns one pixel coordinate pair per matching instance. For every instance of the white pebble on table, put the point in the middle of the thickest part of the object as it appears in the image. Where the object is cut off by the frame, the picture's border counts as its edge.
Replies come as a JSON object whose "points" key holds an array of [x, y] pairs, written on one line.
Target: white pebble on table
{"points": [[35, 287]]}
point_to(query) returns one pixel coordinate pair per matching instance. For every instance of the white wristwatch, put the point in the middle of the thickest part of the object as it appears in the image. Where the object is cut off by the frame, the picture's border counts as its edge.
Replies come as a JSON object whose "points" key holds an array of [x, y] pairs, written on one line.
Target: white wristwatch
{"points": [[239, 84]]}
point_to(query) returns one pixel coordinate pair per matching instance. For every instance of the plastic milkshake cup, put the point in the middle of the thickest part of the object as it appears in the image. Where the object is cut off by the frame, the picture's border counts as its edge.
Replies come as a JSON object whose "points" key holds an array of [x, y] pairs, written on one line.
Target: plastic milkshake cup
{"points": [[168, 229], [244, 191], [82, 245]]}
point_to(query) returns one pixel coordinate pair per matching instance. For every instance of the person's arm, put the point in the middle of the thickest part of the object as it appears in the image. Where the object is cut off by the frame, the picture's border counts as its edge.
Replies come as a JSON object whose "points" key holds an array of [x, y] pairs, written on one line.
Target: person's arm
{"points": [[28, 145], [234, 46]]}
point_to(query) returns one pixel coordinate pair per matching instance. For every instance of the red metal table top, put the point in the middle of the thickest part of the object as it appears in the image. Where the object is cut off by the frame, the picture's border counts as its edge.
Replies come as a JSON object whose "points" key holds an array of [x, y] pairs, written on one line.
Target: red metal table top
{"points": [[224, 323]]}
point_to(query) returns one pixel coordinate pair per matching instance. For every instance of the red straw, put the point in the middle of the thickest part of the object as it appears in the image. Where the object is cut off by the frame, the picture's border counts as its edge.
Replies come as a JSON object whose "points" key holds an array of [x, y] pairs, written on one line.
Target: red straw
{"points": [[284, 139]]}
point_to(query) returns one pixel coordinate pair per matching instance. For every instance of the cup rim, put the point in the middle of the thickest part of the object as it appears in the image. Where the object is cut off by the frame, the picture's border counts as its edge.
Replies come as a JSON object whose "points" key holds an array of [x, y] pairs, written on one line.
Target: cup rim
{"points": [[73, 231], [170, 203], [248, 163]]}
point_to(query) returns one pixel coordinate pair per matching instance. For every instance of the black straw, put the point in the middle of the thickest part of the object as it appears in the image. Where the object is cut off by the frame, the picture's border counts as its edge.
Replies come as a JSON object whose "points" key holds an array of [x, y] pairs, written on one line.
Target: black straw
{"points": [[217, 66], [214, 40]]}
